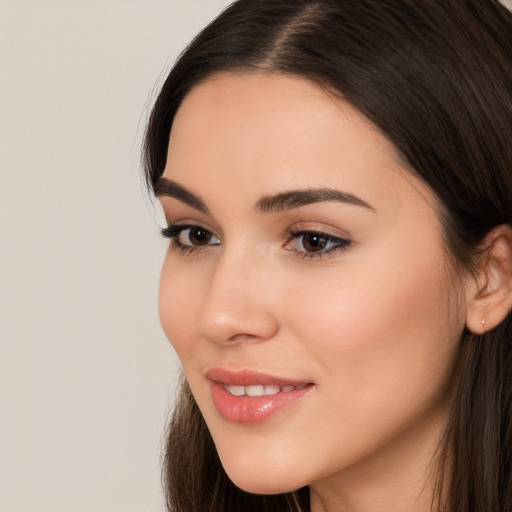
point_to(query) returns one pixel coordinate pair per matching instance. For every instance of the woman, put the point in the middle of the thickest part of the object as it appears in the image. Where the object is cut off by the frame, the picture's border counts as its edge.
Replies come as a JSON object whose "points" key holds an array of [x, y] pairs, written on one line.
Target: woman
{"points": [[337, 180]]}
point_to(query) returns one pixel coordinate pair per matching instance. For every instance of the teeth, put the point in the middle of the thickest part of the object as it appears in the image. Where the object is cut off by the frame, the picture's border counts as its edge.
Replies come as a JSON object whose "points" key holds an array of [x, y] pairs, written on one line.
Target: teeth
{"points": [[259, 390], [237, 390], [254, 390], [272, 390]]}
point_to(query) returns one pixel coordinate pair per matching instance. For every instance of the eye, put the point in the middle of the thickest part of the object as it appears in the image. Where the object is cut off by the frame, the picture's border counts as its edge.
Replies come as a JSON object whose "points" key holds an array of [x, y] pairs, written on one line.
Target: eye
{"points": [[196, 237], [190, 237], [311, 244]]}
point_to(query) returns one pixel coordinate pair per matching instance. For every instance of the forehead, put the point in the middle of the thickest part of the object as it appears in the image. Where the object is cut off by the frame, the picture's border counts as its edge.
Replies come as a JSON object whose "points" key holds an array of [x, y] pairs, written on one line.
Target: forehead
{"points": [[291, 109], [270, 131]]}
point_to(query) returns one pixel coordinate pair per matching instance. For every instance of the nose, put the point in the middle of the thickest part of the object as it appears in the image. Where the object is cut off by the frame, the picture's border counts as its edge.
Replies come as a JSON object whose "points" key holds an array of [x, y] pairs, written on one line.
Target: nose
{"points": [[238, 305]]}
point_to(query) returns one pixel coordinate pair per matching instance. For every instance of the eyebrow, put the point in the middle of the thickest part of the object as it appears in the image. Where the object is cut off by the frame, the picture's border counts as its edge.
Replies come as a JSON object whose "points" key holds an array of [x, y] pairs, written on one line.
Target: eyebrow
{"points": [[300, 198], [268, 204], [169, 188]]}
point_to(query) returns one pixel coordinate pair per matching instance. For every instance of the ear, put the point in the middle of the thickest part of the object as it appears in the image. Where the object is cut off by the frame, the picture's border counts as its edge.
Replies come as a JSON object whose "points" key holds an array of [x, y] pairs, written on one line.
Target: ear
{"points": [[489, 299]]}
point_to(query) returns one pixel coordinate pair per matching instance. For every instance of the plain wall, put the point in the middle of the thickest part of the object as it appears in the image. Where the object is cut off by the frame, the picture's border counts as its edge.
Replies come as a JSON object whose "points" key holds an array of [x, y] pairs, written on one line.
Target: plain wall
{"points": [[86, 375]]}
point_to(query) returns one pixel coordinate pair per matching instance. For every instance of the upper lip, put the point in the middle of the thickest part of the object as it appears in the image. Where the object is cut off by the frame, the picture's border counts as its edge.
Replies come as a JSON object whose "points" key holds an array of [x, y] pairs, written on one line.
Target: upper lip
{"points": [[249, 378]]}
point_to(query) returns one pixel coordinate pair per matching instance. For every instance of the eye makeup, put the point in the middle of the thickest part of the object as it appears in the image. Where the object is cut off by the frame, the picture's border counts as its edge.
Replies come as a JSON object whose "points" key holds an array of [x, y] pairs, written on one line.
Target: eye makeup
{"points": [[305, 243], [314, 244]]}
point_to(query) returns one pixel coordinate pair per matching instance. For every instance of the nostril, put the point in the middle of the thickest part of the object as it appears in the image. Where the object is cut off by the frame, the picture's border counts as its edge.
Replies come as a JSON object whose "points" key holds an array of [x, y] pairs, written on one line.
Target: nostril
{"points": [[238, 338], [244, 325]]}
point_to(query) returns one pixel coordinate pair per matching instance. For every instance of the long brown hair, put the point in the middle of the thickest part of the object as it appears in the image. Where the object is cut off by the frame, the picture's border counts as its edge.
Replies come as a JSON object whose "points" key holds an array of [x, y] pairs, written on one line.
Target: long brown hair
{"points": [[435, 76]]}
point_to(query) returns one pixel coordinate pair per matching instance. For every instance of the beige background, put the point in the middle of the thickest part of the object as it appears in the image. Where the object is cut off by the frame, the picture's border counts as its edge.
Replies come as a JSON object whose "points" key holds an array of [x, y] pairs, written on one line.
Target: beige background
{"points": [[86, 375]]}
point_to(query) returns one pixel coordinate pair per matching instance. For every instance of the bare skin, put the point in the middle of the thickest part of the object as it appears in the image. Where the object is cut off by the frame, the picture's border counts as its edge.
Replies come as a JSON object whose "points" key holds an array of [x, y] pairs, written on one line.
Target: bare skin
{"points": [[350, 293]]}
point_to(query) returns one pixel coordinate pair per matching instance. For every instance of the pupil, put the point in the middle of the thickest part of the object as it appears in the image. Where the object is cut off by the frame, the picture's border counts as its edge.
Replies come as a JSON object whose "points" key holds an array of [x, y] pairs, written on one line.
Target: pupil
{"points": [[314, 242], [199, 236]]}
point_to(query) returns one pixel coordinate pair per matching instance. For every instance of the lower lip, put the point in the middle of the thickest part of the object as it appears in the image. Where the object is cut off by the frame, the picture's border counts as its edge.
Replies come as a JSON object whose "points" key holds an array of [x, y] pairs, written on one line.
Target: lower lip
{"points": [[253, 409]]}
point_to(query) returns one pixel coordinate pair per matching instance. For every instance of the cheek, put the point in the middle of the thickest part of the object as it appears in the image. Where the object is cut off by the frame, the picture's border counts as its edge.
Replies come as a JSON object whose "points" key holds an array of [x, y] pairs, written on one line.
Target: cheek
{"points": [[178, 303], [377, 329]]}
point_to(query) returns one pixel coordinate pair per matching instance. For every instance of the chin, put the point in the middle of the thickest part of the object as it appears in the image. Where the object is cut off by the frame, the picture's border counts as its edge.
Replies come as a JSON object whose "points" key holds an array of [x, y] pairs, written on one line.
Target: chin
{"points": [[262, 485], [260, 476]]}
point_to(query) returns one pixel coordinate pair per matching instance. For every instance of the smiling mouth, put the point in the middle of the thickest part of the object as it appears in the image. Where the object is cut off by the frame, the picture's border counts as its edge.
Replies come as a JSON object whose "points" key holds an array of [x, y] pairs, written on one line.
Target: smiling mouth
{"points": [[252, 397], [260, 390]]}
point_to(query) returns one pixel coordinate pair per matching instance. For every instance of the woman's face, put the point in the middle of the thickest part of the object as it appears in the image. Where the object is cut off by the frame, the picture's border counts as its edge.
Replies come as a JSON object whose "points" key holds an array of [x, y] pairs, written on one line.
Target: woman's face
{"points": [[305, 288]]}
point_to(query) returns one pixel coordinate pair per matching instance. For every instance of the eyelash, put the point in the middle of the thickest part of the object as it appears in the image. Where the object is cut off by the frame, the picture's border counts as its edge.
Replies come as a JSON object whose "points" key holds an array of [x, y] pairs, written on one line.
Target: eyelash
{"points": [[339, 244], [173, 231]]}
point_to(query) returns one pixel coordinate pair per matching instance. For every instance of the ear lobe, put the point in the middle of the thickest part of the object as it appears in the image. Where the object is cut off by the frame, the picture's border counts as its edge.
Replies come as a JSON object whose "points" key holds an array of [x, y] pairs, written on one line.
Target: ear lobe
{"points": [[491, 297]]}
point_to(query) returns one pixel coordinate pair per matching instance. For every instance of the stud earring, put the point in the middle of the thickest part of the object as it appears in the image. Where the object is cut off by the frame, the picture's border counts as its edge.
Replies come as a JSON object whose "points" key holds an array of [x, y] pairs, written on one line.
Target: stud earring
{"points": [[482, 323]]}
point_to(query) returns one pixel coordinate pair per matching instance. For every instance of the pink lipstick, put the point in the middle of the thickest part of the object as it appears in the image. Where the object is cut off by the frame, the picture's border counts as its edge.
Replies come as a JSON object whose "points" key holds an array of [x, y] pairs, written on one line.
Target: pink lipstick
{"points": [[253, 397]]}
